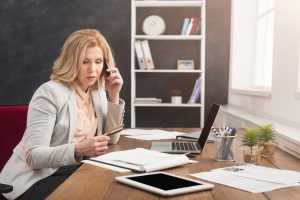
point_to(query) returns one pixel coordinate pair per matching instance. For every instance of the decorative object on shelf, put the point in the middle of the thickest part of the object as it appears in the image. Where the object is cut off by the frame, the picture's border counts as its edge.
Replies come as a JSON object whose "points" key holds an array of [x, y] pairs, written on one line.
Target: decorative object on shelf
{"points": [[176, 96], [267, 135], [185, 65], [154, 25], [250, 139]]}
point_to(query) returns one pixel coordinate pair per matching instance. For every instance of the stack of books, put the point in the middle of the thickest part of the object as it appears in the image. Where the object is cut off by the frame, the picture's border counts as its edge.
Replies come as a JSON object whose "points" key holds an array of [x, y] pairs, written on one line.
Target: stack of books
{"points": [[147, 100], [143, 54], [191, 26]]}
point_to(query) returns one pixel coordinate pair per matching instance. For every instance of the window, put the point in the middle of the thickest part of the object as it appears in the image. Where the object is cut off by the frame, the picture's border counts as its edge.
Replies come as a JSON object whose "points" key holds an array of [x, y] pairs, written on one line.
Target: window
{"points": [[252, 44]]}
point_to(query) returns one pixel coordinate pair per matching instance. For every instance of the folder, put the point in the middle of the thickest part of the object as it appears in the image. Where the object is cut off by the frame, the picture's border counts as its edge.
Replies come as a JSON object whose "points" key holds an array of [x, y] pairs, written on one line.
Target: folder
{"points": [[195, 96], [189, 28], [147, 54], [140, 55], [185, 25]]}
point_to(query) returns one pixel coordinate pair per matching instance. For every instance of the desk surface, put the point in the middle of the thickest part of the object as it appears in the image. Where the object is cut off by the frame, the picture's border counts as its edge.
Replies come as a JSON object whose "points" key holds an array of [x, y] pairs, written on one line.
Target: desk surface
{"points": [[91, 182]]}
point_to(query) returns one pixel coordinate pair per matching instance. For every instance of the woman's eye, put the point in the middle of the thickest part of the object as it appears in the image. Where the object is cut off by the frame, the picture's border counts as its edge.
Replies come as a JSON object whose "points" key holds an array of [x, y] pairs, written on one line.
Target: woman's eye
{"points": [[85, 62]]}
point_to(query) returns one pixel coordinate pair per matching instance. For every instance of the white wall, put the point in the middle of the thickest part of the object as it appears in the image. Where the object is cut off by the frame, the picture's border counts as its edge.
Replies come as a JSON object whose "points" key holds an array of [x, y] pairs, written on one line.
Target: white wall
{"points": [[282, 105]]}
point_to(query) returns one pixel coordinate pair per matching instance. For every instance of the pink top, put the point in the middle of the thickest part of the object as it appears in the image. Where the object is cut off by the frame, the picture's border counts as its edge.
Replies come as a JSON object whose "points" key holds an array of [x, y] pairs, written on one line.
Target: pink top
{"points": [[86, 117]]}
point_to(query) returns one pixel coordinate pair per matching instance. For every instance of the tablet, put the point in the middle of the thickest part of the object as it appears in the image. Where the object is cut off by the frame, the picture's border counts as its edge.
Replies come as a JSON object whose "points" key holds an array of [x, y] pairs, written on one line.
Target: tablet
{"points": [[163, 183]]}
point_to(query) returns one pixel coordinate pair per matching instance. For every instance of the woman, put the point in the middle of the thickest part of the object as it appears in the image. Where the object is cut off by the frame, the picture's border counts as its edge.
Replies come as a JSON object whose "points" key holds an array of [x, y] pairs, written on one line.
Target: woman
{"points": [[67, 117]]}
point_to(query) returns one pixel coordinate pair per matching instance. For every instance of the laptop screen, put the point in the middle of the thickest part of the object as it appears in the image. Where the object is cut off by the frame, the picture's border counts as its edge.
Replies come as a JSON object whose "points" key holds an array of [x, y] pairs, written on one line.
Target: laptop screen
{"points": [[208, 124]]}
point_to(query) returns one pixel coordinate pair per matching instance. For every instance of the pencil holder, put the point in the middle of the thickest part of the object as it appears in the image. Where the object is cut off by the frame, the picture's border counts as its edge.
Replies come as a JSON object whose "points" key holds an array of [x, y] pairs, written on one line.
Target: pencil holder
{"points": [[225, 148]]}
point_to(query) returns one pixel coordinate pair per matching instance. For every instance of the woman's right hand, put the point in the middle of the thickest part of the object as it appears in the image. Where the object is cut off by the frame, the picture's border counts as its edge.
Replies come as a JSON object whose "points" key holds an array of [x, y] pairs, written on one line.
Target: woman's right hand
{"points": [[94, 146]]}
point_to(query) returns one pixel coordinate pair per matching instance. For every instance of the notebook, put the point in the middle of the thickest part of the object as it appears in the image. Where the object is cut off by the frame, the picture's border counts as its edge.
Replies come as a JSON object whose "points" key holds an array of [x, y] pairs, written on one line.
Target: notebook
{"points": [[185, 146]]}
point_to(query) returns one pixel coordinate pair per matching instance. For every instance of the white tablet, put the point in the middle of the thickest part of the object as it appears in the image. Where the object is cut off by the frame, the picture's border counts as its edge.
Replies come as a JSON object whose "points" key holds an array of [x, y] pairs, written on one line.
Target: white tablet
{"points": [[164, 184]]}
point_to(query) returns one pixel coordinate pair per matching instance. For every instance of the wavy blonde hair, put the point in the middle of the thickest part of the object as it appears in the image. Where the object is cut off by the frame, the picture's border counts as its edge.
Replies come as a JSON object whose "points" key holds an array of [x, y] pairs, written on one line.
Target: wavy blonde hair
{"points": [[66, 66]]}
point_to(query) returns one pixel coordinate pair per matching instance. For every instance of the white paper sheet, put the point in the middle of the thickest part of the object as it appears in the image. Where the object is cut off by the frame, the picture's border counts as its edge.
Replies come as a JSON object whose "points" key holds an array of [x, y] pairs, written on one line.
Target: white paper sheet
{"points": [[143, 160], [154, 134], [243, 183], [263, 173], [118, 169]]}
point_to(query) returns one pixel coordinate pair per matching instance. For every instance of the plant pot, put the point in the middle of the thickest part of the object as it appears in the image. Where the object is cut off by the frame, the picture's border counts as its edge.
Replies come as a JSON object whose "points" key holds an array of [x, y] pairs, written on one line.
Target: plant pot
{"points": [[268, 150], [252, 157]]}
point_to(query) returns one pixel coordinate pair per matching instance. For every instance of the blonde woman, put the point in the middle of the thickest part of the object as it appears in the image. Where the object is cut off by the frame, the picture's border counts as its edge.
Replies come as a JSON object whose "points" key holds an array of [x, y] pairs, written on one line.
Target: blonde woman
{"points": [[67, 117]]}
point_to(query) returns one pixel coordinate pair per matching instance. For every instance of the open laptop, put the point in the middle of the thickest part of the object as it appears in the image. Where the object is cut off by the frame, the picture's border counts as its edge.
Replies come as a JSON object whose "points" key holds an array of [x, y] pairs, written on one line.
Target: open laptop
{"points": [[189, 147]]}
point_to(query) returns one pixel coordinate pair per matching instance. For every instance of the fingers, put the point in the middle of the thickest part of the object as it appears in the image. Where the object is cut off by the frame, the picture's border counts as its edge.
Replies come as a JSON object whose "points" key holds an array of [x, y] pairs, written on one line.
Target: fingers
{"points": [[115, 76]]}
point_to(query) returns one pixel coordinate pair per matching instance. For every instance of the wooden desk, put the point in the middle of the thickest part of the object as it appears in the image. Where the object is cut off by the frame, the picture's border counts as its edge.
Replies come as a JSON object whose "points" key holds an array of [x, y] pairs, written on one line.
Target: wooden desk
{"points": [[91, 182]]}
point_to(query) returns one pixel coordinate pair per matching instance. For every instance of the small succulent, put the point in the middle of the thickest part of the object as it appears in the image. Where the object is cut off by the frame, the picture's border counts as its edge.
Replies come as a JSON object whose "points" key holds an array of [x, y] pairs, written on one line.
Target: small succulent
{"points": [[267, 132], [176, 92], [250, 138]]}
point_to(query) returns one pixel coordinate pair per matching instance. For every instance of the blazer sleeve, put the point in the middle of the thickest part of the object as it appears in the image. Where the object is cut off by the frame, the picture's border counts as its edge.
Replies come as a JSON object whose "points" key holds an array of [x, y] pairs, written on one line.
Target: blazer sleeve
{"points": [[115, 115], [42, 116]]}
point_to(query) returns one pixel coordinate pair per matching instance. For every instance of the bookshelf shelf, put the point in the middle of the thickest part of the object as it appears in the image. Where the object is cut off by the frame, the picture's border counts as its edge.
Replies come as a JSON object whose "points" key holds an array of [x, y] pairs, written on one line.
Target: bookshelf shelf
{"points": [[166, 50], [167, 71], [166, 105], [168, 3], [169, 37]]}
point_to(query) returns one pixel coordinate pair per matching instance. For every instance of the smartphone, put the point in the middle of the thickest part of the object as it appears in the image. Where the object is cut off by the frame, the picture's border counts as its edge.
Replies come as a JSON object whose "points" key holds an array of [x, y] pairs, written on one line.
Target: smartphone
{"points": [[114, 130], [105, 67]]}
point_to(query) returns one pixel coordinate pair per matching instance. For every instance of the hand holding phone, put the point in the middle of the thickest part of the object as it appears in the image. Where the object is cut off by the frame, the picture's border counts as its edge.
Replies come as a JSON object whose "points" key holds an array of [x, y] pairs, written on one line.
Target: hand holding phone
{"points": [[114, 130]]}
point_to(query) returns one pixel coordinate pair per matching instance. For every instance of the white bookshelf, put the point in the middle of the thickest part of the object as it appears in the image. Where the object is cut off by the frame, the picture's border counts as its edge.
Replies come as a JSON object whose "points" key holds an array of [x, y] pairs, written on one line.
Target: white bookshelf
{"points": [[135, 71]]}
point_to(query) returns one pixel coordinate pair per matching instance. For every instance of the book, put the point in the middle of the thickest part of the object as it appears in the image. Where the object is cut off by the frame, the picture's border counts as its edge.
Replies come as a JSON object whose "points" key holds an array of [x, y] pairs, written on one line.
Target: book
{"points": [[194, 136], [194, 27], [147, 54], [142, 160], [189, 28], [195, 96], [185, 25], [140, 54]]}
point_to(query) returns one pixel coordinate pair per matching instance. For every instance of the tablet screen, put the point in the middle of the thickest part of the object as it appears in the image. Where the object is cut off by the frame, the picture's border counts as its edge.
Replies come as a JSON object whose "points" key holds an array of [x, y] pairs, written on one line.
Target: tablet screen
{"points": [[164, 181]]}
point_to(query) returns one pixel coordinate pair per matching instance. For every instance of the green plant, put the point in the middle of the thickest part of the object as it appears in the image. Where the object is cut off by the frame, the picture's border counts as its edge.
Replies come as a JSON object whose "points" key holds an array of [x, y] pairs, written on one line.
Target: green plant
{"points": [[267, 132], [250, 138], [176, 92]]}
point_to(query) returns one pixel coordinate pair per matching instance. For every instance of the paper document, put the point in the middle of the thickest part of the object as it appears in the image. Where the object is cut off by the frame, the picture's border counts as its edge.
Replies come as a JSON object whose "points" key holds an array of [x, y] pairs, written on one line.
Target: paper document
{"points": [[252, 178], [242, 183], [153, 134], [263, 173], [142, 160]]}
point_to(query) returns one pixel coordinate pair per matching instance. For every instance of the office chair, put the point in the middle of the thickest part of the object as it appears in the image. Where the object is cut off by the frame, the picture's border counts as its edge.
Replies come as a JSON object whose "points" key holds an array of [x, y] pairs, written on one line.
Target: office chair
{"points": [[12, 127]]}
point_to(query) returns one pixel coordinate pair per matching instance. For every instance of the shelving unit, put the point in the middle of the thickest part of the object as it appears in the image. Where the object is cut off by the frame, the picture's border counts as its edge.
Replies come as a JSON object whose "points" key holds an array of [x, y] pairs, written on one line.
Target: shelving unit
{"points": [[192, 42]]}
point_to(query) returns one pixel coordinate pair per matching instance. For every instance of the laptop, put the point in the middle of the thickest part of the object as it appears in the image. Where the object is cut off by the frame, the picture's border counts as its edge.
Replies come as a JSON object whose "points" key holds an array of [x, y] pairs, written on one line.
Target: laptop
{"points": [[185, 146]]}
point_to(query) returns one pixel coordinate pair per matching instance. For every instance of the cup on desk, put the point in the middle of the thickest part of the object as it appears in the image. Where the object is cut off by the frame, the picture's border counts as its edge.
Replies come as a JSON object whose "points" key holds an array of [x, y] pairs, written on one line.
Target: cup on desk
{"points": [[176, 99], [225, 148]]}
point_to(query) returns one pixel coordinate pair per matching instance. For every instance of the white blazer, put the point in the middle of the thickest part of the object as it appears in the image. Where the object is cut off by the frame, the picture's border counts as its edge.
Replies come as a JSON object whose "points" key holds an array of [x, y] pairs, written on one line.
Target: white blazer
{"points": [[51, 123]]}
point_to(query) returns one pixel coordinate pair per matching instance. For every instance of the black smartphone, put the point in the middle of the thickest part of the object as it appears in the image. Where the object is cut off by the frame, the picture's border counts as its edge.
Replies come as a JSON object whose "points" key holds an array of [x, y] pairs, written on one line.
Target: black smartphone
{"points": [[105, 67]]}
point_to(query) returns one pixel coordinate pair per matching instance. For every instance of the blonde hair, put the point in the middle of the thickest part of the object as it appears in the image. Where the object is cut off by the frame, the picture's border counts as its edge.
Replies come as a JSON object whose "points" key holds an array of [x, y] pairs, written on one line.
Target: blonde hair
{"points": [[66, 66]]}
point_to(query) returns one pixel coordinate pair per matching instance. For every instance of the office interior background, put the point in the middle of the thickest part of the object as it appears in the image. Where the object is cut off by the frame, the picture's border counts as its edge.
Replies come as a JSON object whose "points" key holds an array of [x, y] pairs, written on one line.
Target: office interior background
{"points": [[252, 57]]}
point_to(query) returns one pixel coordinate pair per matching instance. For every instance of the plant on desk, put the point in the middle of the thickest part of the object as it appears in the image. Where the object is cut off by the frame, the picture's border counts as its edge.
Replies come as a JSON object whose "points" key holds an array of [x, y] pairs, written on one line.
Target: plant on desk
{"points": [[267, 135], [250, 139]]}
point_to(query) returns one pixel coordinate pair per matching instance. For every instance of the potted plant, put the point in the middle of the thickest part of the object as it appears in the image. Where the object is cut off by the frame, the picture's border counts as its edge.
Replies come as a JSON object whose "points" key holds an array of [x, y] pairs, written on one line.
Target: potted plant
{"points": [[176, 96], [267, 135], [250, 139]]}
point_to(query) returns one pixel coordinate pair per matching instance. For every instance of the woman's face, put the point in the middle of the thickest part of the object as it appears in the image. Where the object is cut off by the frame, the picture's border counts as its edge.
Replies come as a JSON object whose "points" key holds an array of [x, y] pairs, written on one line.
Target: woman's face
{"points": [[91, 67]]}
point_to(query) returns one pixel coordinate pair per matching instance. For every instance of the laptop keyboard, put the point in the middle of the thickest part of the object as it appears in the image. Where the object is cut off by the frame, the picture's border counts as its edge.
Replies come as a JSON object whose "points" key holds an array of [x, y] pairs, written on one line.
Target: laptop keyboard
{"points": [[185, 146]]}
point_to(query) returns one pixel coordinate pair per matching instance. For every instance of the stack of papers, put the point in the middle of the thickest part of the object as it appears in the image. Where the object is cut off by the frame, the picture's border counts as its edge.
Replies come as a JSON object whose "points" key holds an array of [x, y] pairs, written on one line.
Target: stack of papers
{"points": [[154, 134], [252, 178], [147, 100], [142, 160]]}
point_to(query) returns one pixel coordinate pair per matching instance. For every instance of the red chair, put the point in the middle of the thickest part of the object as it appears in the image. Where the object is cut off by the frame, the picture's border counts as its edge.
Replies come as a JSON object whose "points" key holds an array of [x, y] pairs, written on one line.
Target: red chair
{"points": [[12, 126]]}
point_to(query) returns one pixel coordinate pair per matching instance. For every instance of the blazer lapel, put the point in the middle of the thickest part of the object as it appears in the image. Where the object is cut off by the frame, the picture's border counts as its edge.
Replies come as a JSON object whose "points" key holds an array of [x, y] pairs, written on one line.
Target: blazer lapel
{"points": [[97, 102], [73, 113]]}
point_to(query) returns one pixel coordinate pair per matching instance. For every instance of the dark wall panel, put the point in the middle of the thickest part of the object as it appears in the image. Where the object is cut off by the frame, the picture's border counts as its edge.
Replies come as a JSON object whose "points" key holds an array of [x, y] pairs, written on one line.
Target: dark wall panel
{"points": [[32, 33]]}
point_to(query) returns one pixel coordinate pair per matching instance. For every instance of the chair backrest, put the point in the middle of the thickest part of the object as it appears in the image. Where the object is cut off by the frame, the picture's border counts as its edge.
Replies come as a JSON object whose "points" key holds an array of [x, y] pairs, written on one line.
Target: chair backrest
{"points": [[12, 126]]}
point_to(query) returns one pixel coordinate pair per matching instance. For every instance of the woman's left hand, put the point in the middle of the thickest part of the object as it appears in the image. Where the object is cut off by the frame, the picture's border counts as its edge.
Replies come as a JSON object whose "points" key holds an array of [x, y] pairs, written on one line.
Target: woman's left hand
{"points": [[113, 84]]}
